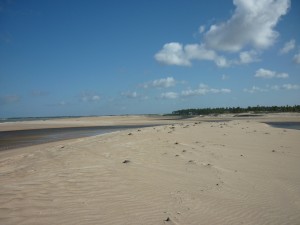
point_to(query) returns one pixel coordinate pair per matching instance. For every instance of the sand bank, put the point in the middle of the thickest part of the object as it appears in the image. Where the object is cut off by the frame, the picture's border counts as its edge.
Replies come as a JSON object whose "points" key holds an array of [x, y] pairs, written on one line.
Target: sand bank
{"points": [[86, 122], [236, 172], [141, 120]]}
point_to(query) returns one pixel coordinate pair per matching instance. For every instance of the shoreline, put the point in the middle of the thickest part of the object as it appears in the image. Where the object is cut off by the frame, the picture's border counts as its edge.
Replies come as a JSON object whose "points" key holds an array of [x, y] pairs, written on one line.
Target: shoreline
{"points": [[85, 122], [14, 139], [140, 120], [20, 134], [285, 125]]}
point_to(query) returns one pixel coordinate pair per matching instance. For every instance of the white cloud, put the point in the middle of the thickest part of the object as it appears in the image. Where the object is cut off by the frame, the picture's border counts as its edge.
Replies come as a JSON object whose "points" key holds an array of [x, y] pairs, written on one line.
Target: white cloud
{"points": [[274, 87], [263, 73], [201, 29], [89, 97], [255, 89], [130, 94], [134, 95], [291, 86], [203, 90], [161, 83], [172, 54], [252, 24], [297, 58], [176, 54], [169, 95], [222, 91], [60, 104], [286, 87], [95, 98], [248, 57], [288, 46], [200, 52]]}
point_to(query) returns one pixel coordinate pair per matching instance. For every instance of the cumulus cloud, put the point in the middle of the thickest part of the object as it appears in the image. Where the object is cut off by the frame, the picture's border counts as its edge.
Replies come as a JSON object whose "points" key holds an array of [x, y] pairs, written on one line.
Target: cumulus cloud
{"points": [[172, 54], [201, 29], [176, 54], [95, 98], [297, 58], [291, 86], [254, 89], [283, 87], [129, 94], [200, 52], [203, 90], [288, 46], [263, 73], [89, 97], [248, 57], [288, 87], [9, 99], [252, 24], [134, 95], [161, 83], [169, 95]]}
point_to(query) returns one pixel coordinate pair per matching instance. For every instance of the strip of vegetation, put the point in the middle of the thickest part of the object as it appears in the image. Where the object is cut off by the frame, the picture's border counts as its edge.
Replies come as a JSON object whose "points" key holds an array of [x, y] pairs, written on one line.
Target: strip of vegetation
{"points": [[249, 109]]}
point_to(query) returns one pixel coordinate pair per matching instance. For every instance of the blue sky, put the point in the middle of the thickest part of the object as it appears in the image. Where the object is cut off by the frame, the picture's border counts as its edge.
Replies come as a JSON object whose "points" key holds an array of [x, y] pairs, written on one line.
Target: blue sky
{"points": [[67, 58]]}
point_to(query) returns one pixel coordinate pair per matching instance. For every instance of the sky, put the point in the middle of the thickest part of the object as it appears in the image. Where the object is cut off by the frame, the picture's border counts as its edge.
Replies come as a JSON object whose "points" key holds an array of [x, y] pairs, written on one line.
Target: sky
{"points": [[81, 58]]}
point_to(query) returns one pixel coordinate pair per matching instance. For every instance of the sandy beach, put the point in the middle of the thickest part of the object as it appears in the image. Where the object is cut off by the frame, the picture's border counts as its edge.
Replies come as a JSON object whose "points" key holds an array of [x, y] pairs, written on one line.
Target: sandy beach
{"points": [[192, 171]]}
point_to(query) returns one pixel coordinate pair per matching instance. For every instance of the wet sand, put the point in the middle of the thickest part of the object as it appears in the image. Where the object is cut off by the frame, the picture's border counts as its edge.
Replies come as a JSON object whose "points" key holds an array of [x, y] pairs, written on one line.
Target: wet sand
{"points": [[189, 172]]}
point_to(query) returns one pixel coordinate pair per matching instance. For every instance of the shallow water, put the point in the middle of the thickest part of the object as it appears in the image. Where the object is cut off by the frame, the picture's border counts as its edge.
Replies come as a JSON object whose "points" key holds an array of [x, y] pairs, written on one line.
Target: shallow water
{"points": [[22, 138], [285, 125]]}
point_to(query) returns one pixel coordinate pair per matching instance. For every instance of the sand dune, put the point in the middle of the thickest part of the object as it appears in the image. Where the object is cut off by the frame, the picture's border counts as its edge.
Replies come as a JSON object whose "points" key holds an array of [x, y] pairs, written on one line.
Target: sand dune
{"points": [[237, 172]]}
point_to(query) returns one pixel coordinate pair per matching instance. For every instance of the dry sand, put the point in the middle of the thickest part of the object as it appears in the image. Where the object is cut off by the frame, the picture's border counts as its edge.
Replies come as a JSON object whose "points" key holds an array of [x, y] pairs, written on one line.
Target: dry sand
{"points": [[86, 122], [236, 172]]}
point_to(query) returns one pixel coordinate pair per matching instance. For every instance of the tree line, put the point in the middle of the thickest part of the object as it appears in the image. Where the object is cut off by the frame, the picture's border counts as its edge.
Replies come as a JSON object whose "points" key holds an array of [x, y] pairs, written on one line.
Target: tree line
{"points": [[252, 109]]}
